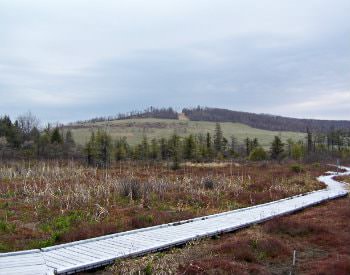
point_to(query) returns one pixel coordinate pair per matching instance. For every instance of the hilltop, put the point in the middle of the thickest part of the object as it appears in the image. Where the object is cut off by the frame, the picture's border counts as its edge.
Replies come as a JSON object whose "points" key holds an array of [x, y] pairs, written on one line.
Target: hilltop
{"points": [[163, 122]]}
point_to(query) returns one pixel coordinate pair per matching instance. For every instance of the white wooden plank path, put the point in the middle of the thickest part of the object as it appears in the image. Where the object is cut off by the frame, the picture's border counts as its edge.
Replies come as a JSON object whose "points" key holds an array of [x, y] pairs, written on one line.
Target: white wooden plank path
{"points": [[87, 254]]}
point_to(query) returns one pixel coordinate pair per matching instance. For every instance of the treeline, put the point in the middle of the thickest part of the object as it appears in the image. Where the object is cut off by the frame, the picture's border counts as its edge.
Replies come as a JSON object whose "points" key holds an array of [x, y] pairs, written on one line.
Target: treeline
{"points": [[264, 121], [102, 151], [23, 139], [151, 112]]}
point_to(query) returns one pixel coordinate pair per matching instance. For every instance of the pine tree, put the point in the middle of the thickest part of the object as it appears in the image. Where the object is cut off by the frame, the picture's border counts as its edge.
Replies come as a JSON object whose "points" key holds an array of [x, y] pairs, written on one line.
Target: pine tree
{"points": [[248, 148], [218, 137], [121, 149], [145, 151], [277, 148], [154, 151], [90, 149], [189, 147], [309, 141], [174, 143], [69, 138], [164, 150], [104, 148], [233, 144], [56, 137], [209, 146]]}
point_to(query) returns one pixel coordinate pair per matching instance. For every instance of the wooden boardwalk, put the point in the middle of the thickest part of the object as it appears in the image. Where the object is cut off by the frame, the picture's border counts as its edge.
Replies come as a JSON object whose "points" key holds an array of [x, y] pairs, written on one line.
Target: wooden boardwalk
{"points": [[88, 254]]}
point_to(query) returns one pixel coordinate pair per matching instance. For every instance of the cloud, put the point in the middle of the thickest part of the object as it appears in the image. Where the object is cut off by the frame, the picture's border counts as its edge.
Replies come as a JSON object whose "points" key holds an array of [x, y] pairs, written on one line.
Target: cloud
{"points": [[70, 60], [330, 105]]}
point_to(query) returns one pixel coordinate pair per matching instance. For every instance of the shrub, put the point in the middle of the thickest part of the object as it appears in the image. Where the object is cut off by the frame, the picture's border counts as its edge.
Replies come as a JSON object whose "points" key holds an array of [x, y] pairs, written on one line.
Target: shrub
{"points": [[297, 168], [293, 228], [86, 231], [208, 183], [271, 248], [131, 187], [6, 226], [297, 151], [258, 154], [239, 248], [148, 269], [141, 221], [340, 266]]}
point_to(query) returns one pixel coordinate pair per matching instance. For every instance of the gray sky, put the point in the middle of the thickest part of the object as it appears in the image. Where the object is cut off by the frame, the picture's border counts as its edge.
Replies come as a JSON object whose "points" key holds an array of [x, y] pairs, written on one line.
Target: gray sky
{"points": [[70, 59]]}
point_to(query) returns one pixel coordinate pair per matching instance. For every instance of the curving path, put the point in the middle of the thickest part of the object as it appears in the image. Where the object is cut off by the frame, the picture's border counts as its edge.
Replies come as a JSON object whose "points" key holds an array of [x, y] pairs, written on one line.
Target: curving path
{"points": [[88, 254]]}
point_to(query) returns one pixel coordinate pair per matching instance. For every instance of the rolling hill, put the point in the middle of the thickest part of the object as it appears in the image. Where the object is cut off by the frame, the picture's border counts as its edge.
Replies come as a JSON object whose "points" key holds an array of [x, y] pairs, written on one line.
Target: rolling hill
{"points": [[135, 128]]}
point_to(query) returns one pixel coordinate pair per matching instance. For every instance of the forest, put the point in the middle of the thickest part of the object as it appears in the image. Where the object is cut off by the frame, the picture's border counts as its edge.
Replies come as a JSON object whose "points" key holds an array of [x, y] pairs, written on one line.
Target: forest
{"points": [[264, 121]]}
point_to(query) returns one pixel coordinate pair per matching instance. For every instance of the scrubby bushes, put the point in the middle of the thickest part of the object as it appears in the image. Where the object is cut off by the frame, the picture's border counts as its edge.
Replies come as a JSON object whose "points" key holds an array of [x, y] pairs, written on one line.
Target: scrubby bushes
{"points": [[258, 154], [131, 188], [297, 168], [208, 183]]}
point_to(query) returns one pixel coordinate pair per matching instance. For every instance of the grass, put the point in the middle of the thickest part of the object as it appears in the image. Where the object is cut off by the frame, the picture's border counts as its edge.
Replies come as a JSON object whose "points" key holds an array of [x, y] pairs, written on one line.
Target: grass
{"points": [[135, 129], [51, 203]]}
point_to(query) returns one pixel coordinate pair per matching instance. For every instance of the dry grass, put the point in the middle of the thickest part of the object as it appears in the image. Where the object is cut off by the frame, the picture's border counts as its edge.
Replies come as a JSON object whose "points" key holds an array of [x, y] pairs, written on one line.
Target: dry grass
{"points": [[48, 203]]}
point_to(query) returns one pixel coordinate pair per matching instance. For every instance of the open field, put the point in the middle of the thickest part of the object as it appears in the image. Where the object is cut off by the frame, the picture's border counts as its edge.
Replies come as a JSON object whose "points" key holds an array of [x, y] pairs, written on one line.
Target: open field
{"points": [[319, 235], [42, 204], [135, 129]]}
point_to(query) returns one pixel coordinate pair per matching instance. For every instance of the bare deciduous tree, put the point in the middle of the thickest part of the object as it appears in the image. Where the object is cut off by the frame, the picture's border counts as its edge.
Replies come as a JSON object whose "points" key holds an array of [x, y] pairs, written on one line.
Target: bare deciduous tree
{"points": [[27, 122]]}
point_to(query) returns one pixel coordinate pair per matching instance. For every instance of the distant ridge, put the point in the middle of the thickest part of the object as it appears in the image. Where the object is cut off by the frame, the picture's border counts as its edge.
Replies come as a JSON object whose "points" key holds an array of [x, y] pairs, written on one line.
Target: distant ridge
{"points": [[259, 121], [265, 121]]}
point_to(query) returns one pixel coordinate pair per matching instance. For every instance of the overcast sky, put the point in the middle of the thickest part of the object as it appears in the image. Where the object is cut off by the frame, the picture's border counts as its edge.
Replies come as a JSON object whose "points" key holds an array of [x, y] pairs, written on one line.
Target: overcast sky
{"points": [[70, 59]]}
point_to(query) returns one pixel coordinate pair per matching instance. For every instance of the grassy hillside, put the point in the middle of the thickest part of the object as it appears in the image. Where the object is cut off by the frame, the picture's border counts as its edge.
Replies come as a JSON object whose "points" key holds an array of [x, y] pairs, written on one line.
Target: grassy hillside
{"points": [[134, 129]]}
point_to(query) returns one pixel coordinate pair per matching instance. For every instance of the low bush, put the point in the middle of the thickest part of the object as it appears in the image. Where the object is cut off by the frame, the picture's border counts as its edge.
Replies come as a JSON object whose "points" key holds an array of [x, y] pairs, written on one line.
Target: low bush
{"points": [[334, 265], [208, 183], [258, 154], [271, 248], [86, 230], [132, 188], [292, 228], [6, 227], [297, 168], [140, 221], [240, 249]]}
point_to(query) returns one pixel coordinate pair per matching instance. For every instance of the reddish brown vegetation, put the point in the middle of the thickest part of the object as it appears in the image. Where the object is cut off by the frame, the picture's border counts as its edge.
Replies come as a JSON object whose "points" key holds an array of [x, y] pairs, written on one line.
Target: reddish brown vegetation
{"points": [[85, 231], [92, 202]]}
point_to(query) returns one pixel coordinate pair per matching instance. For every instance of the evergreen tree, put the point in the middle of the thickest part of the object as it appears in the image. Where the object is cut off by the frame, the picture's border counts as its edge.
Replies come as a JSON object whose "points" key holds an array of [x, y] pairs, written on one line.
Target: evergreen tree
{"points": [[164, 149], [90, 149], [248, 148], [233, 144], [189, 147], [258, 154], [309, 141], [218, 137], [56, 137], [104, 148], [145, 150], [121, 149], [209, 146], [69, 138], [174, 144], [277, 148], [155, 151]]}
